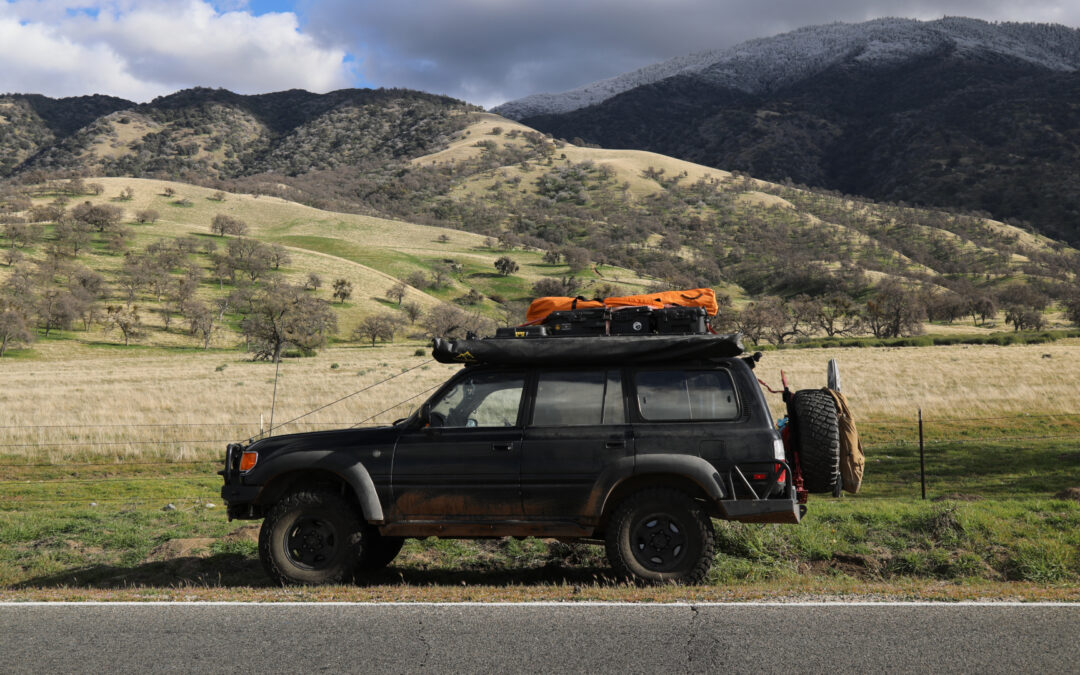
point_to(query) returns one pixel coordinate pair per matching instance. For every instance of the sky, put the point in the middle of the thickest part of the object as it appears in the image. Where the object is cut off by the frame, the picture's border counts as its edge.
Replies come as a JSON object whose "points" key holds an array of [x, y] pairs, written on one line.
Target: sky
{"points": [[483, 51]]}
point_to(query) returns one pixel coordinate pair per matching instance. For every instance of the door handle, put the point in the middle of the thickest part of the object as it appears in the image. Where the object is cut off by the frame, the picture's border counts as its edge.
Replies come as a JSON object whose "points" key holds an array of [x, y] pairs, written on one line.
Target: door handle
{"points": [[611, 445], [502, 447]]}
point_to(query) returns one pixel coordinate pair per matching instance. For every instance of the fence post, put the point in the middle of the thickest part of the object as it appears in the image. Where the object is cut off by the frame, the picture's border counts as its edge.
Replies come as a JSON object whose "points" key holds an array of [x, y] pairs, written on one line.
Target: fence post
{"points": [[922, 457]]}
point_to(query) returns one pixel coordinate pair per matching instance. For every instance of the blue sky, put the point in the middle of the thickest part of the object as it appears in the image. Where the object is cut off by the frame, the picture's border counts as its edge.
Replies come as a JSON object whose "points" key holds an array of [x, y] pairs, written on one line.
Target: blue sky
{"points": [[483, 51]]}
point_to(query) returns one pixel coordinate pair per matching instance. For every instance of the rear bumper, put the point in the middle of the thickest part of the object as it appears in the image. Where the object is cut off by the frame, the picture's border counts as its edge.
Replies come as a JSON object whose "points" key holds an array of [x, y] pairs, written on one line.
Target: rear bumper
{"points": [[762, 510], [752, 500]]}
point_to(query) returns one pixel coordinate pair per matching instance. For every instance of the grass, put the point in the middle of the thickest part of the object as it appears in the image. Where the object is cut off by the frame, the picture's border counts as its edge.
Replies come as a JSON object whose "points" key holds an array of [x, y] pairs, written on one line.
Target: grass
{"points": [[79, 519]]}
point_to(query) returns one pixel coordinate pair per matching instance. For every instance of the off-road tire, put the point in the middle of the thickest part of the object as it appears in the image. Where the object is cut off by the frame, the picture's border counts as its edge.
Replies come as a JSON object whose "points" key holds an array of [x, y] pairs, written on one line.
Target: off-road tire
{"points": [[377, 551], [818, 436], [311, 537], [660, 535]]}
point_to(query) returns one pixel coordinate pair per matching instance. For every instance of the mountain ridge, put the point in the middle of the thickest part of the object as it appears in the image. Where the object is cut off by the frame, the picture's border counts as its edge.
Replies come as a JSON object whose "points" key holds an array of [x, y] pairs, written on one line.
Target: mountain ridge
{"points": [[763, 64]]}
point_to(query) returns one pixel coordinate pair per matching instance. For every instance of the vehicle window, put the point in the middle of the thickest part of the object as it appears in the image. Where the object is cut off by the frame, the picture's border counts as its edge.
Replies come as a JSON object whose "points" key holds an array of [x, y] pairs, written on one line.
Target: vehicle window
{"points": [[686, 395], [614, 411], [577, 398], [480, 400]]}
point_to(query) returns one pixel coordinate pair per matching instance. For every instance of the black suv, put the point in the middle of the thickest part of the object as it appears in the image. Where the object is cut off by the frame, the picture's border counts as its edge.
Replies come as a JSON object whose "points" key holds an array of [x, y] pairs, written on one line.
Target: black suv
{"points": [[637, 452]]}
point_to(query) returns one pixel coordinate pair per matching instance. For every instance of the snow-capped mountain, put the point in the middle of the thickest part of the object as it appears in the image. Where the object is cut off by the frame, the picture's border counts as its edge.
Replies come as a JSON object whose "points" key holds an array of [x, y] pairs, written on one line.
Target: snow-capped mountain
{"points": [[765, 64]]}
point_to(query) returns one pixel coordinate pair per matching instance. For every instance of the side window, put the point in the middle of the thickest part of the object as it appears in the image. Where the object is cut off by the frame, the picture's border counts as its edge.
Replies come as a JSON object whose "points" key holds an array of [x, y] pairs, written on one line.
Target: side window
{"points": [[578, 398], [686, 395], [480, 400]]}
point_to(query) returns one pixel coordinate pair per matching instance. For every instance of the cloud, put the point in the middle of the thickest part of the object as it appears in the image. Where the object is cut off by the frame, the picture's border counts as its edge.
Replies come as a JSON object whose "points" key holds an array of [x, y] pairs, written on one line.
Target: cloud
{"points": [[490, 51], [138, 50]]}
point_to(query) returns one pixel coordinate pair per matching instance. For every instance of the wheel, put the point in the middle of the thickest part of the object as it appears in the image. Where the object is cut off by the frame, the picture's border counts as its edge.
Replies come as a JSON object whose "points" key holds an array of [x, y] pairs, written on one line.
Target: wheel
{"points": [[818, 434], [376, 551], [310, 537], [661, 535]]}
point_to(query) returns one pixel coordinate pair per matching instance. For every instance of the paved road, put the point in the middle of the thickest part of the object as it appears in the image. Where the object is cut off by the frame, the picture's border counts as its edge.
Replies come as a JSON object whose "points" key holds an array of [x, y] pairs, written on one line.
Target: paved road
{"points": [[121, 638]]}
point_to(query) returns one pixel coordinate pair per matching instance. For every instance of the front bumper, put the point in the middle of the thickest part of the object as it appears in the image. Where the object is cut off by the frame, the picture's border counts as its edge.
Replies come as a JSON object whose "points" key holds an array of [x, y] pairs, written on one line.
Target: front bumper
{"points": [[239, 498]]}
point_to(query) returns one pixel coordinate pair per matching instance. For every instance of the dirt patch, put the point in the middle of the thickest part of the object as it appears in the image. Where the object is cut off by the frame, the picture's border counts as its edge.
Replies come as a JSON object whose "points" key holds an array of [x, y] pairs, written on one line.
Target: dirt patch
{"points": [[1069, 494], [853, 565], [245, 533], [196, 547]]}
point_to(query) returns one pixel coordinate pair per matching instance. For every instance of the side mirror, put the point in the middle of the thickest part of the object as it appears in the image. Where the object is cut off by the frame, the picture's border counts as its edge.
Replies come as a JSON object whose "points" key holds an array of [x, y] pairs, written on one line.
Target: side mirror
{"points": [[425, 414]]}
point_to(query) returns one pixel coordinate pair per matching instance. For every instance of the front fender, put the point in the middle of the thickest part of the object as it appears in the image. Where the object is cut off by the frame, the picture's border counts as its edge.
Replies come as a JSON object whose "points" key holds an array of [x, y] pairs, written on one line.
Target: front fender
{"points": [[343, 464]]}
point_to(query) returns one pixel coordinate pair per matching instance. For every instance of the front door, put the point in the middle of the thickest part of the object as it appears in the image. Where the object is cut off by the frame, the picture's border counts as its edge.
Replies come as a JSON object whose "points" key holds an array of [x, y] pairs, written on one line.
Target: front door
{"points": [[467, 463]]}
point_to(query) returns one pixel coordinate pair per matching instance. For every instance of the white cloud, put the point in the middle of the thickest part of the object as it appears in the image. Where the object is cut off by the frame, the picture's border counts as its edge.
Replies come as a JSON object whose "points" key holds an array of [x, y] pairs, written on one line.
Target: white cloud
{"points": [[141, 49], [488, 51]]}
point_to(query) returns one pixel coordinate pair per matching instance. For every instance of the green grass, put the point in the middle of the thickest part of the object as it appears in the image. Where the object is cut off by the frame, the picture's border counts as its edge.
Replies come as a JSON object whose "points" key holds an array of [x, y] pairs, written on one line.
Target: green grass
{"points": [[992, 519]]}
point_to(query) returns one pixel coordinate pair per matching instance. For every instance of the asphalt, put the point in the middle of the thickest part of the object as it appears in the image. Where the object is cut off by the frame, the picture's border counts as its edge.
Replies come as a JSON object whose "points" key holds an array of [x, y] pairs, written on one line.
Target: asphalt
{"points": [[409, 638]]}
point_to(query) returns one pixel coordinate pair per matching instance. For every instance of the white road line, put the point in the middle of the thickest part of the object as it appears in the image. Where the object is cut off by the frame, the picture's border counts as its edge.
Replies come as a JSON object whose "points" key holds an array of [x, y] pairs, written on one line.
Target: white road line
{"points": [[547, 603]]}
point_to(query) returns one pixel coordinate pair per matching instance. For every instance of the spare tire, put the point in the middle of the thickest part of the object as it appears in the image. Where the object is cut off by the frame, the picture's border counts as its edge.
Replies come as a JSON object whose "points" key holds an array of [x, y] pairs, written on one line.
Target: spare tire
{"points": [[817, 439]]}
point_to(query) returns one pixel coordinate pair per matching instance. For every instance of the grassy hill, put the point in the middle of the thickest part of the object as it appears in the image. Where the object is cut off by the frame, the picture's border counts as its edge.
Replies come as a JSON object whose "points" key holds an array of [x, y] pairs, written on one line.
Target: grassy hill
{"points": [[372, 254], [381, 187]]}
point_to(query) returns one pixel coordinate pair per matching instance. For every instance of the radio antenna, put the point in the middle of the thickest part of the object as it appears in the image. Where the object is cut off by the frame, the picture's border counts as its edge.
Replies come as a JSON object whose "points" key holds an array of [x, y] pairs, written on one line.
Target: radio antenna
{"points": [[273, 399]]}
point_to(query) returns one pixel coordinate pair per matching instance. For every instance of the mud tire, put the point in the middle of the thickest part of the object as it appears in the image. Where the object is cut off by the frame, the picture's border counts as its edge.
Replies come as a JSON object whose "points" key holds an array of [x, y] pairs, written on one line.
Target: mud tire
{"points": [[818, 438], [687, 541], [310, 537]]}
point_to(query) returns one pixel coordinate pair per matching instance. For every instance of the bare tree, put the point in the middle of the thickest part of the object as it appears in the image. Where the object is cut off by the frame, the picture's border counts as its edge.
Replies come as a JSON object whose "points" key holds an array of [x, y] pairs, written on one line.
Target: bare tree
{"points": [[279, 255], [342, 290], [56, 309], [126, 319], [412, 310], [283, 314], [13, 329], [223, 224], [894, 311], [397, 292], [202, 321], [837, 314], [101, 217], [147, 216], [314, 282], [378, 327]]}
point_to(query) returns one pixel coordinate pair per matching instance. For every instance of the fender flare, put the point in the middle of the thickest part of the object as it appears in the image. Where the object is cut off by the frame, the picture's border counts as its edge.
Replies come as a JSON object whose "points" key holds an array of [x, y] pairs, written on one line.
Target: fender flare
{"points": [[342, 464], [695, 469]]}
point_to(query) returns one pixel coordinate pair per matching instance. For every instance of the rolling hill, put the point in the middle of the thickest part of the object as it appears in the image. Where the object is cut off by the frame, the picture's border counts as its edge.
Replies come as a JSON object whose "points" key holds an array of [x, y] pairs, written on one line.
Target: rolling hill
{"points": [[473, 187], [950, 113]]}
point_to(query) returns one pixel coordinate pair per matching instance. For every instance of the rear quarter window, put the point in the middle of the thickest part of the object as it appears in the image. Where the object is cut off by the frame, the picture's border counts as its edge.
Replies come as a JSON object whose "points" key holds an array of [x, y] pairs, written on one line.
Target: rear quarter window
{"points": [[686, 395]]}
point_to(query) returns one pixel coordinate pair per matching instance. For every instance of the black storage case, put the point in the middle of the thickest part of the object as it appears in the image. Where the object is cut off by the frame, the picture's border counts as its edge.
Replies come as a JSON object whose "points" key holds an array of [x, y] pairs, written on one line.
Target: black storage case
{"points": [[521, 332], [631, 321], [681, 321], [577, 322]]}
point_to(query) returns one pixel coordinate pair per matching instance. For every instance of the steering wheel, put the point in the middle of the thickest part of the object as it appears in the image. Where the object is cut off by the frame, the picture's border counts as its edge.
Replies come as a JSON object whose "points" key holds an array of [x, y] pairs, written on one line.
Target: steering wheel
{"points": [[436, 419]]}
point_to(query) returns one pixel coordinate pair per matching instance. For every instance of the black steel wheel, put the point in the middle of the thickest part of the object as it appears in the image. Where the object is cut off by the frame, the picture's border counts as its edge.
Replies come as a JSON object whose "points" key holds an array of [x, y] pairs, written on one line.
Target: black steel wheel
{"points": [[661, 535], [818, 435], [310, 537]]}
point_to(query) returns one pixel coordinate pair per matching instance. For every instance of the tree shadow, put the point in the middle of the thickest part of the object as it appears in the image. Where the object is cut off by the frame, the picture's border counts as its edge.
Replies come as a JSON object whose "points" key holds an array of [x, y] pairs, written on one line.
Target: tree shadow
{"points": [[222, 570], [228, 570]]}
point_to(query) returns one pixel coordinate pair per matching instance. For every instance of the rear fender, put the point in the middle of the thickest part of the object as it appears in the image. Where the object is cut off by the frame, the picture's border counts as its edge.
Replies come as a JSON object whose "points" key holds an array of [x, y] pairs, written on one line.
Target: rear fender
{"points": [[685, 467]]}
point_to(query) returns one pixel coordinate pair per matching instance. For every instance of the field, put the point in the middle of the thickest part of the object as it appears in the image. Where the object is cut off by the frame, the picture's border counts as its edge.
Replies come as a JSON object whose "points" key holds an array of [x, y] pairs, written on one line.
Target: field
{"points": [[99, 440]]}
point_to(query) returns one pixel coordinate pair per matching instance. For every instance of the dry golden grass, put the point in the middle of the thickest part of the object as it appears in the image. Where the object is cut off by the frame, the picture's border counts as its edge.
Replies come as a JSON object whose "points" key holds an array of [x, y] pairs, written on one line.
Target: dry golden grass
{"points": [[73, 384], [946, 382], [192, 396]]}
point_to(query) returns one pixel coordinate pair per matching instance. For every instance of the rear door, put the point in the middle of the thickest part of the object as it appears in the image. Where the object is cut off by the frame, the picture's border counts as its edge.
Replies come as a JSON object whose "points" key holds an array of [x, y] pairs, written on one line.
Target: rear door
{"points": [[577, 427]]}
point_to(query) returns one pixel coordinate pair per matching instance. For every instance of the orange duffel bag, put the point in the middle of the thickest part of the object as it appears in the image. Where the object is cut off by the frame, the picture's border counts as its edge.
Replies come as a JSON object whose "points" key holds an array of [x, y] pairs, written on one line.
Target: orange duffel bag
{"points": [[697, 297]]}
